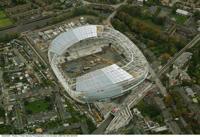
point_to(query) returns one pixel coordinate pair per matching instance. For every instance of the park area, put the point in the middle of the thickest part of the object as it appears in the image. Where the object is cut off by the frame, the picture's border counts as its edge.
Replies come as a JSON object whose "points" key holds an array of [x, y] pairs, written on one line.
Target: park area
{"points": [[4, 20], [150, 110], [179, 19], [38, 106]]}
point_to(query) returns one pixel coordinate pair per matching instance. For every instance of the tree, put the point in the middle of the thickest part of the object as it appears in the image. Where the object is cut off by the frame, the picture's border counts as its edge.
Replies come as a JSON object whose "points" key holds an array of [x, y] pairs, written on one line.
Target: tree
{"points": [[8, 36], [2, 112], [197, 15], [131, 10], [29, 112], [18, 2], [6, 77], [119, 25], [5, 129], [47, 99], [158, 20], [168, 100], [165, 56], [194, 66], [174, 8]]}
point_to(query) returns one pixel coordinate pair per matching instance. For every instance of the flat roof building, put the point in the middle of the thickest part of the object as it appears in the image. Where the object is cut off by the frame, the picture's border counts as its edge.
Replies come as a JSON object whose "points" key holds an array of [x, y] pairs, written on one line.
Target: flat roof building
{"points": [[183, 12]]}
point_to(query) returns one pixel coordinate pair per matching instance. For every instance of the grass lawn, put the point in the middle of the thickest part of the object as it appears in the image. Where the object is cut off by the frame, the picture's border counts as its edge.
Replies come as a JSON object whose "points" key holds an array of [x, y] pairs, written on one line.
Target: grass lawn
{"points": [[2, 14], [148, 22], [37, 106], [5, 129], [4, 21], [179, 19]]}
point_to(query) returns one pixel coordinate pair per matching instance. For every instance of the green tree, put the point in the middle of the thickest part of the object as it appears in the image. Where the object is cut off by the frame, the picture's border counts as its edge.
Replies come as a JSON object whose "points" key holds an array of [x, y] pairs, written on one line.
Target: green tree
{"points": [[197, 15], [8, 36]]}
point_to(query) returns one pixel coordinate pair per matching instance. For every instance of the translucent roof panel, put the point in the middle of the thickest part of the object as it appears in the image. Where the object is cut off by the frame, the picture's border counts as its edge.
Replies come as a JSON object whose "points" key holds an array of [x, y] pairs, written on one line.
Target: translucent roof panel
{"points": [[100, 80], [67, 39], [116, 74], [85, 32], [63, 41]]}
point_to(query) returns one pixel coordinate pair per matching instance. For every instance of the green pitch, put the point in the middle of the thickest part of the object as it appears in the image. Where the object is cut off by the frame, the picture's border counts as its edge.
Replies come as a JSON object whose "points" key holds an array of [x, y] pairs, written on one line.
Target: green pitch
{"points": [[4, 20]]}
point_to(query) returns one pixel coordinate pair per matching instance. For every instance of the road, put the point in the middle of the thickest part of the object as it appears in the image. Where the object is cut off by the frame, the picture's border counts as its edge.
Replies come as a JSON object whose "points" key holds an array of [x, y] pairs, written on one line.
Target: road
{"points": [[43, 22], [19, 120], [60, 108], [34, 93], [35, 50], [103, 4], [156, 78], [4, 96], [171, 30], [20, 28], [26, 27], [112, 15], [168, 118], [62, 128], [158, 82], [103, 126], [108, 20], [194, 41], [124, 115], [131, 101]]}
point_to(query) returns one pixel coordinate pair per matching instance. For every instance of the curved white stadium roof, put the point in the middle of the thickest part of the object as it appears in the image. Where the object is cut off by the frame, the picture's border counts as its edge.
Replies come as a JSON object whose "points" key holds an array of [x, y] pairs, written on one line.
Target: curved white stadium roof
{"points": [[67, 39], [99, 79], [105, 83]]}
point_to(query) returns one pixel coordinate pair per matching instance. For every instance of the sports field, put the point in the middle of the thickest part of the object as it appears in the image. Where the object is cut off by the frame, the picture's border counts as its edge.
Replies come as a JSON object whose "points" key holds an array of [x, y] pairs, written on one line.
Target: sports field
{"points": [[37, 106], [4, 20], [179, 19]]}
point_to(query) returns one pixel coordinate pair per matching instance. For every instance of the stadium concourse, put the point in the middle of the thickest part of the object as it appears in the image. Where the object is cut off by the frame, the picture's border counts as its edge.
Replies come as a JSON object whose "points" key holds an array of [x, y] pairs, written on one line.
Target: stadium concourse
{"points": [[109, 81]]}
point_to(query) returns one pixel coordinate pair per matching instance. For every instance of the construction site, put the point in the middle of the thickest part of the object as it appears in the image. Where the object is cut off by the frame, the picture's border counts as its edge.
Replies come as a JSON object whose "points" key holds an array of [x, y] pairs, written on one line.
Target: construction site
{"points": [[81, 66], [96, 63]]}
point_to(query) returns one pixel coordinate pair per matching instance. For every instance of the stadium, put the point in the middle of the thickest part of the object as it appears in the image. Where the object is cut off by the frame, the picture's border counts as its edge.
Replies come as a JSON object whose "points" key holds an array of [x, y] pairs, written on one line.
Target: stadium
{"points": [[96, 63]]}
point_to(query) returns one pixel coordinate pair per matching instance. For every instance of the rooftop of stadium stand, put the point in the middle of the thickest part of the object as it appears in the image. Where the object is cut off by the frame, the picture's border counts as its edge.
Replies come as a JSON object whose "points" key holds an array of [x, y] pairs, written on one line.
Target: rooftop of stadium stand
{"points": [[67, 39], [99, 79]]}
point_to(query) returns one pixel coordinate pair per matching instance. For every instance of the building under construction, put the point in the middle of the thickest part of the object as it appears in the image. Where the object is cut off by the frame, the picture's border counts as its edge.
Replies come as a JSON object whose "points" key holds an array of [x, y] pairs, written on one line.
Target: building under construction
{"points": [[96, 63]]}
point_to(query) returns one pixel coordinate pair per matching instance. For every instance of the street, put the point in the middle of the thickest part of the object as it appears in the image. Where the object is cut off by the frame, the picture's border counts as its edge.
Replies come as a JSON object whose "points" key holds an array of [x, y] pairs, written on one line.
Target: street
{"points": [[192, 43]]}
